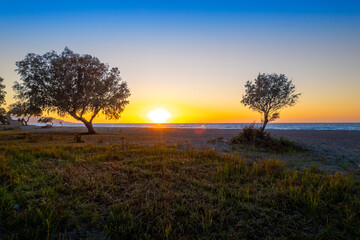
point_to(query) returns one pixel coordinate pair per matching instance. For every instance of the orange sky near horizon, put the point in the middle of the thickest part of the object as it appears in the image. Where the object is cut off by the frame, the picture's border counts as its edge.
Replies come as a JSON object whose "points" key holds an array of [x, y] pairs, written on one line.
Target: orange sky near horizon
{"points": [[197, 104], [232, 113]]}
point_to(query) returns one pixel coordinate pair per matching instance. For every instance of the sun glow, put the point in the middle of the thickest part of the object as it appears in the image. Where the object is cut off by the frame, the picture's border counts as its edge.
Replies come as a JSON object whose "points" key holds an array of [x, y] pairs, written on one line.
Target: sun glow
{"points": [[159, 115]]}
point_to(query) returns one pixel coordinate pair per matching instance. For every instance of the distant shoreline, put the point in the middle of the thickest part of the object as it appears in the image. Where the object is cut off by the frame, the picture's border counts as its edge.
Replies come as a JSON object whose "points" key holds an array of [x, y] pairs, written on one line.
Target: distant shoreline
{"points": [[278, 126]]}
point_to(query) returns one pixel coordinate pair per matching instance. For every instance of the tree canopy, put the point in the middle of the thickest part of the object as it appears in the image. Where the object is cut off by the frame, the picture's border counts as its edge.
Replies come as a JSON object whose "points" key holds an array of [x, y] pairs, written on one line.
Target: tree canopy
{"points": [[2, 91], [46, 120], [24, 111], [72, 84], [268, 94]]}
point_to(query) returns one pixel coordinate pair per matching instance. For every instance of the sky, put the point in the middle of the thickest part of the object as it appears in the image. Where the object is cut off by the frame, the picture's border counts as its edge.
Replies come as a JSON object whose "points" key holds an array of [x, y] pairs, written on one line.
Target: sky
{"points": [[193, 58]]}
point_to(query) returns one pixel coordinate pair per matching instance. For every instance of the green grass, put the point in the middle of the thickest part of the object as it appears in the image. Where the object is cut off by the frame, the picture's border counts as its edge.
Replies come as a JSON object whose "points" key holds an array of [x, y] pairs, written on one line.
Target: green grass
{"points": [[71, 190]]}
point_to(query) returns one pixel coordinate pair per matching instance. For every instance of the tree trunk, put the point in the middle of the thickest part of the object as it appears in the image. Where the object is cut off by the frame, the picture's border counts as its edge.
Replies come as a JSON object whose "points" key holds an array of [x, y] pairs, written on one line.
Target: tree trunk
{"points": [[22, 120], [89, 126], [8, 118], [26, 121], [266, 120]]}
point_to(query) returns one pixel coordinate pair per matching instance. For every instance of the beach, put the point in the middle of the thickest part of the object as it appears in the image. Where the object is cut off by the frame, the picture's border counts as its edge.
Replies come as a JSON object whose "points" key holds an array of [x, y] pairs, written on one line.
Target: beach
{"points": [[330, 150]]}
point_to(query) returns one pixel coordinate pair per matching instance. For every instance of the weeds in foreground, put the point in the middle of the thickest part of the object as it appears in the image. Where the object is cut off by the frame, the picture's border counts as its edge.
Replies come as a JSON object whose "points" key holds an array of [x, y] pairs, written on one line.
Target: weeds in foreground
{"points": [[134, 192]]}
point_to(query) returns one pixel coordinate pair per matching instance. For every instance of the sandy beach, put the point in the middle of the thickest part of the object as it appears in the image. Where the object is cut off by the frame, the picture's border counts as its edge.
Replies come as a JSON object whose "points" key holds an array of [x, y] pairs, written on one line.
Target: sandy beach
{"points": [[330, 150]]}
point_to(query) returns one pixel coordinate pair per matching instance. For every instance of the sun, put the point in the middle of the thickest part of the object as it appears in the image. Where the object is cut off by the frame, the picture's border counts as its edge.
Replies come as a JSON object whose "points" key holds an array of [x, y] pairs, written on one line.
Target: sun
{"points": [[159, 115]]}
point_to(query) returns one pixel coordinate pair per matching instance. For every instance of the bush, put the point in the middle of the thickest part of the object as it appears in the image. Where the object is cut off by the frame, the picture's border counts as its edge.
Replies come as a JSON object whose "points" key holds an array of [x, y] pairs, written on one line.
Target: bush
{"points": [[250, 134], [262, 139]]}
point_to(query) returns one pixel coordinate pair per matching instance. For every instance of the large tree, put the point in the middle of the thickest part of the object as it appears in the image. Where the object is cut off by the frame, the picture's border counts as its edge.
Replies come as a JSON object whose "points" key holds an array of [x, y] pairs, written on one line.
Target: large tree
{"points": [[268, 94], [72, 84], [3, 119]]}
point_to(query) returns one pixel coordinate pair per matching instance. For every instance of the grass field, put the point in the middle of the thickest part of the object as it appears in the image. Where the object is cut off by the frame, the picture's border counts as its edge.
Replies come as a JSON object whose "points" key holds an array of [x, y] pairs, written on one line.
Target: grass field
{"points": [[54, 188]]}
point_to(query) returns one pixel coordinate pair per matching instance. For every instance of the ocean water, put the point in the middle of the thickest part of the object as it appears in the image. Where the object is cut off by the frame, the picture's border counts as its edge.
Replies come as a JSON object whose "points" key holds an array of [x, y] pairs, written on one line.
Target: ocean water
{"points": [[283, 126]]}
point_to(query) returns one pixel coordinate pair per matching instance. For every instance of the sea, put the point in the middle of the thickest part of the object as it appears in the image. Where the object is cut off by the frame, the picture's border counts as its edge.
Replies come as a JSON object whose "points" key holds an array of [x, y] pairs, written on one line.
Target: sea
{"points": [[282, 126]]}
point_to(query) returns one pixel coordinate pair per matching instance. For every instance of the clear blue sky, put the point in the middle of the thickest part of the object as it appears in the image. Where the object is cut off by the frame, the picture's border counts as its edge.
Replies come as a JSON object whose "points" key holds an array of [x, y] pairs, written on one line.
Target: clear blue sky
{"points": [[194, 57], [19, 8]]}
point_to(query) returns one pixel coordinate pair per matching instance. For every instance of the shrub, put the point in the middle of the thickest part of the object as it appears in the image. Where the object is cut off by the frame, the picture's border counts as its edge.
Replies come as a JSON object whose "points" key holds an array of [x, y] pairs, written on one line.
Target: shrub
{"points": [[250, 134], [262, 139]]}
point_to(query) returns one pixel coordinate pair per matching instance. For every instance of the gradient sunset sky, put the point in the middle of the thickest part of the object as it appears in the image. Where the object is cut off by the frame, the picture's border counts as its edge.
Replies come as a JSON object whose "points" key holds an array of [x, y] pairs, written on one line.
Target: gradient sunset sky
{"points": [[194, 57]]}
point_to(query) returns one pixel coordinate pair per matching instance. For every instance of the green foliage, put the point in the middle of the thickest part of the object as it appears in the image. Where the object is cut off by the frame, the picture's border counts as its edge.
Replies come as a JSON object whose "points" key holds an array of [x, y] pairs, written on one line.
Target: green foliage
{"points": [[262, 140], [71, 84], [159, 192]]}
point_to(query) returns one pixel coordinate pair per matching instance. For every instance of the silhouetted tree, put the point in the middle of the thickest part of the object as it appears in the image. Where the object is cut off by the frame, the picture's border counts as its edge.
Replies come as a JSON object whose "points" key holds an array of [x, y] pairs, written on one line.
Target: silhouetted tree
{"points": [[24, 111], [3, 119], [46, 120], [268, 94], [2, 91], [74, 84]]}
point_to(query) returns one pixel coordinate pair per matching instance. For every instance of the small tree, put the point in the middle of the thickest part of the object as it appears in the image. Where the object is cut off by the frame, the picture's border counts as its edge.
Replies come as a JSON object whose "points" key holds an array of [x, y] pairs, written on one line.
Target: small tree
{"points": [[268, 94], [46, 120], [24, 111], [69, 83], [3, 119]]}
